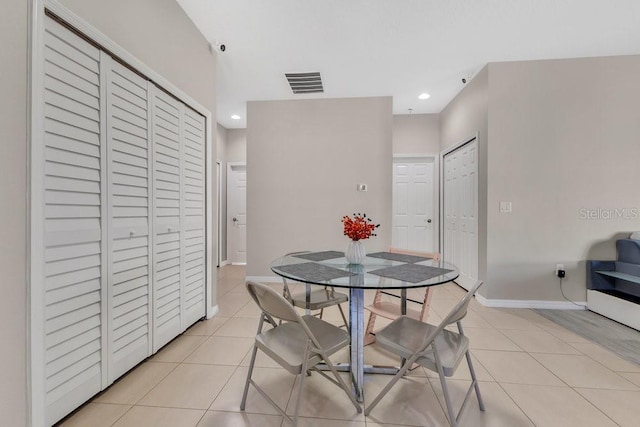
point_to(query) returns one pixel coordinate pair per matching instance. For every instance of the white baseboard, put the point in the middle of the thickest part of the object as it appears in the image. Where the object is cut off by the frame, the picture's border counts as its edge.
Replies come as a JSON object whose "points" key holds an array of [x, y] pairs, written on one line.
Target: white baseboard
{"points": [[212, 311], [237, 263], [265, 279], [494, 303], [516, 303]]}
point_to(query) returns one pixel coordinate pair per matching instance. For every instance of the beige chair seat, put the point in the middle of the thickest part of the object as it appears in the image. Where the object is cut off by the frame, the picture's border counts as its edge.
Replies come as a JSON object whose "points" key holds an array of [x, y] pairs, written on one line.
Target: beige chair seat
{"points": [[391, 310], [405, 336], [318, 299], [286, 344]]}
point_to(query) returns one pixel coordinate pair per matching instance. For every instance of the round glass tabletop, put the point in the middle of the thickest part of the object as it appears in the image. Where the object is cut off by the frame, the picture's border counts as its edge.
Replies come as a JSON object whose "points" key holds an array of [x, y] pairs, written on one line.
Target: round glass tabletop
{"points": [[380, 270]]}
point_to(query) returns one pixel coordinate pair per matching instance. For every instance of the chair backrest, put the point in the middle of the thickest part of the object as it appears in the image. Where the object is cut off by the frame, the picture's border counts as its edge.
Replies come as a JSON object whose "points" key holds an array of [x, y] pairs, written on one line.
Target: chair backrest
{"points": [[456, 314], [434, 255], [286, 292], [272, 303], [460, 310]]}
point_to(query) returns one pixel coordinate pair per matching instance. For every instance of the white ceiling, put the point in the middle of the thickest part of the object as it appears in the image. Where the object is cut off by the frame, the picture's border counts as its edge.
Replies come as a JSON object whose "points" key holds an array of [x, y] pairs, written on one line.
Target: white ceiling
{"points": [[396, 47]]}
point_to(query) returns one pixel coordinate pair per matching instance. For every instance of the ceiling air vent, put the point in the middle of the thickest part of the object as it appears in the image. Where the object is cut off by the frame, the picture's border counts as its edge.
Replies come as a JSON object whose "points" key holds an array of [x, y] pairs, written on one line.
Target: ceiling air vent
{"points": [[305, 82]]}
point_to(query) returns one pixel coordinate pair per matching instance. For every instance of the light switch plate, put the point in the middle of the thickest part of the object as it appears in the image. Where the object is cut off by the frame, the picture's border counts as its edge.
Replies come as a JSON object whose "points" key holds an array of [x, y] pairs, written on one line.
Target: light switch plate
{"points": [[505, 207], [361, 187]]}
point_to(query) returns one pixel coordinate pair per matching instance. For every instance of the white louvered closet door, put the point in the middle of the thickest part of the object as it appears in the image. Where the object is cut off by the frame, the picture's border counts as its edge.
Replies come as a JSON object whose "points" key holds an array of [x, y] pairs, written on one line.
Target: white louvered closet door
{"points": [[193, 221], [74, 172], [129, 219], [123, 220], [167, 185]]}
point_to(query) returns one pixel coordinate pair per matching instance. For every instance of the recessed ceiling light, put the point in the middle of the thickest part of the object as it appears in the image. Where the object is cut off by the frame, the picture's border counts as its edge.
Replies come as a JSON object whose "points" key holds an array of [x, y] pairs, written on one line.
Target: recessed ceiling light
{"points": [[235, 117], [424, 96]]}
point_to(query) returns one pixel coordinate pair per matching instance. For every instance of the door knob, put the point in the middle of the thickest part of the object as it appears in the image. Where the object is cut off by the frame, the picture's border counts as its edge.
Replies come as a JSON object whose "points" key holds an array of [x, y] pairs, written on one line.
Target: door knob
{"points": [[429, 221], [235, 219]]}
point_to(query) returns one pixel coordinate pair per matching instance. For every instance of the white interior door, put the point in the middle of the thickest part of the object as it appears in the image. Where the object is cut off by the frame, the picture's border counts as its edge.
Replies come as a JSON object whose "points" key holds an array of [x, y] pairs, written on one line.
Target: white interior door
{"points": [[413, 204], [460, 195], [237, 213]]}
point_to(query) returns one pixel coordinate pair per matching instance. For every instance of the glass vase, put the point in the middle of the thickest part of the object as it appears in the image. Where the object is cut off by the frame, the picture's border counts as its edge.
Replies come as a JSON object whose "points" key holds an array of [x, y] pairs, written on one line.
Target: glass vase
{"points": [[355, 252]]}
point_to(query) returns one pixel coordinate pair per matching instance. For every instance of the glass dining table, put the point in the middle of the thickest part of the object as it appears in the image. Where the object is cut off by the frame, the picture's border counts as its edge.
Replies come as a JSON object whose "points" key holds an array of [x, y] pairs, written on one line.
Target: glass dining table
{"points": [[380, 270]]}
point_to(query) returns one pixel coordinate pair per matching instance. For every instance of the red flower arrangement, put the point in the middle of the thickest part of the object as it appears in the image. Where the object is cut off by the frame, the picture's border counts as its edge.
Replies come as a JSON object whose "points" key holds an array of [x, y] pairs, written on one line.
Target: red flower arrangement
{"points": [[359, 227]]}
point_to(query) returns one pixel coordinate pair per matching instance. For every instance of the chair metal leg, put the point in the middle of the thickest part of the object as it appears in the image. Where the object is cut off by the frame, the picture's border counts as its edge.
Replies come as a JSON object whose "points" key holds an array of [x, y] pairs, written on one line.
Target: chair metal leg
{"points": [[344, 318], [302, 377], [390, 384], [246, 385], [369, 337], [341, 382], [445, 391], [475, 381], [472, 371]]}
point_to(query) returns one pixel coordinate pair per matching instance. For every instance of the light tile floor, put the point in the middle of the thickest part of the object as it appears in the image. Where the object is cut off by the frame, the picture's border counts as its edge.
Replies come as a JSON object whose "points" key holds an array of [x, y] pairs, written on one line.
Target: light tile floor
{"points": [[531, 371]]}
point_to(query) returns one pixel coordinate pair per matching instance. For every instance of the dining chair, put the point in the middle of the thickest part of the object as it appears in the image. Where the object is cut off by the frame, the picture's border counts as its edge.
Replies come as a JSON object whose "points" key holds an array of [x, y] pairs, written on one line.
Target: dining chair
{"points": [[319, 297], [297, 344], [392, 309], [434, 347]]}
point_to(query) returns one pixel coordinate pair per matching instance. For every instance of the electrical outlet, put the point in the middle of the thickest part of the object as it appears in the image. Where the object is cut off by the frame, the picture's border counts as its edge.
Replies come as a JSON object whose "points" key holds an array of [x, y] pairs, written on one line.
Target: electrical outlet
{"points": [[559, 267], [560, 271]]}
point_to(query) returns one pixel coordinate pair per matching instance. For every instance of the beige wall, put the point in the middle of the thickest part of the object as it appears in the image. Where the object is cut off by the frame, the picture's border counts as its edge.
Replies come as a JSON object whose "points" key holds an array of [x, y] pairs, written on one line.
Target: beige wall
{"points": [[13, 213], [304, 159], [236, 145], [416, 134], [563, 135], [463, 118], [158, 33]]}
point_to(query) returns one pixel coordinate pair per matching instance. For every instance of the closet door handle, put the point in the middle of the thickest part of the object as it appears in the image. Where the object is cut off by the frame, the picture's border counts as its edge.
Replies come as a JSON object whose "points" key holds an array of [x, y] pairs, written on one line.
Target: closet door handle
{"points": [[132, 233], [169, 230]]}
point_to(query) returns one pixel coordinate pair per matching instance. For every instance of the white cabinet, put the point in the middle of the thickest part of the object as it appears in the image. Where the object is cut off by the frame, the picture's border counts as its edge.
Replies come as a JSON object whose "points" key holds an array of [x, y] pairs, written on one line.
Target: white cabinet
{"points": [[122, 223]]}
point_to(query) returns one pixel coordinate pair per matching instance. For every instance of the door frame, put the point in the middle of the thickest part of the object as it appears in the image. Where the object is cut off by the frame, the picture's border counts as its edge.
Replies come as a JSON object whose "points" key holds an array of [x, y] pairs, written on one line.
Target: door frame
{"points": [[219, 212], [443, 153], [415, 158], [230, 166]]}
